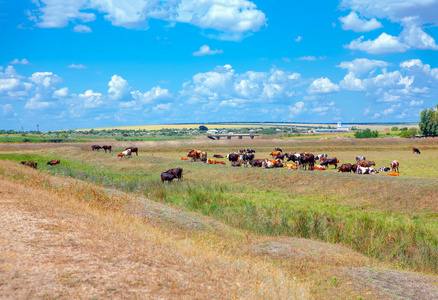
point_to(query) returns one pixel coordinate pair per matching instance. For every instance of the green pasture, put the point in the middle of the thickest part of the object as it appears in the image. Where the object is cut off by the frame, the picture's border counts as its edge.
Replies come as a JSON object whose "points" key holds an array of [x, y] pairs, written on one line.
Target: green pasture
{"points": [[393, 219]]}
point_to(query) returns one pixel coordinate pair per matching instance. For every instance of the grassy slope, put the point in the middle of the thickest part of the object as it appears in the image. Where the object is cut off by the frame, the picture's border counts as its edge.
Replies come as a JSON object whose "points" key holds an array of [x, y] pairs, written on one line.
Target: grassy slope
{"points": [[87, 243]]}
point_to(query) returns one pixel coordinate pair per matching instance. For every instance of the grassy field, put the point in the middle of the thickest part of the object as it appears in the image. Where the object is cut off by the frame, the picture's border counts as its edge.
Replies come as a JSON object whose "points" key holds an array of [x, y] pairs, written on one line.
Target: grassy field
{"points": [[391, 219]]}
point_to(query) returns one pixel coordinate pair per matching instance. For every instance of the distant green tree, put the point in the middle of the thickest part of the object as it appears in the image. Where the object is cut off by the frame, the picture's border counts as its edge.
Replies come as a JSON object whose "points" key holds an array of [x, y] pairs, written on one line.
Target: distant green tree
{"points": [[395, 128], [409, 133], [366, 134], [203, 128], [429, 122]]}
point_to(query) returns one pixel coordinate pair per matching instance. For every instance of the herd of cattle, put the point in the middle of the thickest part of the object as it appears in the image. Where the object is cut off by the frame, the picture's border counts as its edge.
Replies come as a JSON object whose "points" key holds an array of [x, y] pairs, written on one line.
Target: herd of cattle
{"points": [[246, 157], [304, 160]]}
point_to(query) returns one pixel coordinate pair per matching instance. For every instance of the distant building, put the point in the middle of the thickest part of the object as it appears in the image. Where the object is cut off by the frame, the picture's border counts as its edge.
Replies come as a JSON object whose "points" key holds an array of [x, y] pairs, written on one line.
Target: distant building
{"points": [[341, 127], [212, 131]]}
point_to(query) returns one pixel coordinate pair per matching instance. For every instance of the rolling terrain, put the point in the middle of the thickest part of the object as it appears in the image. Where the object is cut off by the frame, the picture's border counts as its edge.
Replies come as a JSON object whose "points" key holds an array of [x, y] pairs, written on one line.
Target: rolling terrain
{"points": [[322, 235]]}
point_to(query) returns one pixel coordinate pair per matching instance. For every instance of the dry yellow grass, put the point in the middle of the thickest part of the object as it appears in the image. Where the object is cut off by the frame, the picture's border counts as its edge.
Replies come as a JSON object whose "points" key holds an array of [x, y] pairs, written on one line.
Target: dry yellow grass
{"points": [[67, 239]]}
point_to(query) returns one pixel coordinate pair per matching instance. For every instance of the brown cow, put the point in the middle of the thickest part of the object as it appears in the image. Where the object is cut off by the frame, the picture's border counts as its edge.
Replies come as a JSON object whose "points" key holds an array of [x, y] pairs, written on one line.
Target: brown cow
{"points": [[275, 153], [345, 168], [394, 166], [31, 164], [133, 149], [54, 162], [366, 163]]}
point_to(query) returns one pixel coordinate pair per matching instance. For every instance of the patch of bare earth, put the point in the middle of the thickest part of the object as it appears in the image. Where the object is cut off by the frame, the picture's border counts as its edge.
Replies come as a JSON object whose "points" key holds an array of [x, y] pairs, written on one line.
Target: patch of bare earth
{"points": [[52, 246]]}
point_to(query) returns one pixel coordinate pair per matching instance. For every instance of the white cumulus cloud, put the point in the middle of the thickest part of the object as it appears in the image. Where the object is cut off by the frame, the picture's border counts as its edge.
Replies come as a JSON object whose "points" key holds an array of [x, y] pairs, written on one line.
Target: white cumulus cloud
{"points": [[385, 43], [362, 65], [354, 23], [205, 50], [20, 62], [322, 86], [82, 29]]}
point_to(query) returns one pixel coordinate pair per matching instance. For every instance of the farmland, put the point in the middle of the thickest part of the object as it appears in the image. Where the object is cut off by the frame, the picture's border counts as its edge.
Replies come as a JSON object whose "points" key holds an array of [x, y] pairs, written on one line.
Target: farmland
{"points": [[350, 224]]}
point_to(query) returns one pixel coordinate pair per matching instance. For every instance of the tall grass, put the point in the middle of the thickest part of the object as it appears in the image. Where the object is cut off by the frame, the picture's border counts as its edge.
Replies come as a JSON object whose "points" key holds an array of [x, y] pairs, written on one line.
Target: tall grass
{"points": [[409, 242]]}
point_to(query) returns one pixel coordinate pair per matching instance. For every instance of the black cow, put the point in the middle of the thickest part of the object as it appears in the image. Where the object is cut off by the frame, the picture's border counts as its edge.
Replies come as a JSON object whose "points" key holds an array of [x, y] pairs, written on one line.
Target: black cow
{"points": [[330, 161], [31, 164], [278, 149], [218, 156], [416, 150], [308, 160], [233, 157], [107, 147], [96, 147], [167, 177], [281, 156], [247, 158], [177, 172]]}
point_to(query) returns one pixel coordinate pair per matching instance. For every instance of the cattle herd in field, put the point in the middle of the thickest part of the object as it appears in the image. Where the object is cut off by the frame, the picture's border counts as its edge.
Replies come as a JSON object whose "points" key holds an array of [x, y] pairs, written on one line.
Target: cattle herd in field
{"points": [[246, 157], [304, 161]]}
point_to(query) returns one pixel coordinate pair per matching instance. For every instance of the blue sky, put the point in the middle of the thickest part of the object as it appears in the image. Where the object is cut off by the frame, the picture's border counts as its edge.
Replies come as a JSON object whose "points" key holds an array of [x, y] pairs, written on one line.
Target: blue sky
{"points": [[105, 62]]}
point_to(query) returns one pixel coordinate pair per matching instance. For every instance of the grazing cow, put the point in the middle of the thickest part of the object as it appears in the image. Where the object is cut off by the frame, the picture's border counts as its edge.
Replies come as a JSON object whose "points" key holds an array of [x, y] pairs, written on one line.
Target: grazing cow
{"points": [[133, 149], [167, 177], [345, 168], [330, 161], [359, 158], [274, 153], [218, 156], [384, 169], [177, 172], [394, 166], [125, 153], [54, 162], [416, 150], [278, 149], [319, 168], [247, 158], [365, 170], [236, 164], [31, 164], [366, 163], [95, 147], [257, 162], [321, 157], [108, 147]]}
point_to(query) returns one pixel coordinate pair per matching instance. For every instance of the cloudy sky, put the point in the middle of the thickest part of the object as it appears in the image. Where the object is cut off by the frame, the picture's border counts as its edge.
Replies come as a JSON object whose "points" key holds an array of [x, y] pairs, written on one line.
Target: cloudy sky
{"points": [[89, 63]]}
